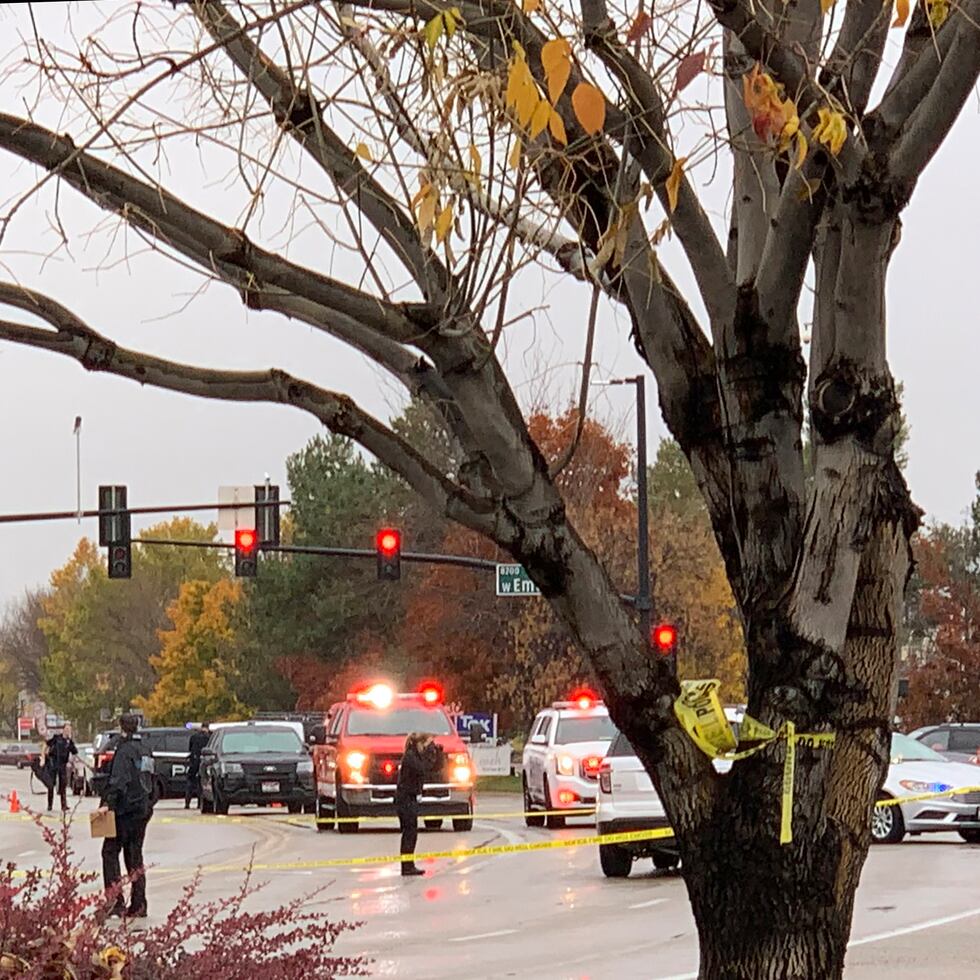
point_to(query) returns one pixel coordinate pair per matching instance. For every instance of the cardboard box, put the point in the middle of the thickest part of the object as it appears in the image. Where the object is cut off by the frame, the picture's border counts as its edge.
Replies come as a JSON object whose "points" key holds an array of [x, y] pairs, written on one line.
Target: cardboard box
{"points": [[102, 824]]}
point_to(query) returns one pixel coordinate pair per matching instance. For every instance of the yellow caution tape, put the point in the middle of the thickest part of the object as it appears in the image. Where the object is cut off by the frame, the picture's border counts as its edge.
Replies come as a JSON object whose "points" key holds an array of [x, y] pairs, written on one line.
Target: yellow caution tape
{"points": [[699, 710], [895, 801]]}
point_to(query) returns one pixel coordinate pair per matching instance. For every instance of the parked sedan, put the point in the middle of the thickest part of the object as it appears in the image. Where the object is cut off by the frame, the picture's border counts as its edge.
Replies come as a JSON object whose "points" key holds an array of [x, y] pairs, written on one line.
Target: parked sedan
{"points": [[16, 754], [915, 770]]}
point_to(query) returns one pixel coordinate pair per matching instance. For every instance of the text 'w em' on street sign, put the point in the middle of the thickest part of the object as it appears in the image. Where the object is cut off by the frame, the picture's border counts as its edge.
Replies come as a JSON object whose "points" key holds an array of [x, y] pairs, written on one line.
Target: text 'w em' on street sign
{"points": [[513, 580]]}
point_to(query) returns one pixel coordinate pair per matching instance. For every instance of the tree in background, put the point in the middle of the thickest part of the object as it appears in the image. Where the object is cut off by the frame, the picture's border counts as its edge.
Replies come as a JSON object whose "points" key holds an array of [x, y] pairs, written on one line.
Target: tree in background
{"points": [[200, 665], [22, 643], [452, 147], [101, 633], [945, 614]]}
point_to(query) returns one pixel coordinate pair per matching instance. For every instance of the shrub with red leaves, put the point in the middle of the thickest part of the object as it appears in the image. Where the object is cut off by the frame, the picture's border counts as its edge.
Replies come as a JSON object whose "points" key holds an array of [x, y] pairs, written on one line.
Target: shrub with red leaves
{"points": [[53, 927]]}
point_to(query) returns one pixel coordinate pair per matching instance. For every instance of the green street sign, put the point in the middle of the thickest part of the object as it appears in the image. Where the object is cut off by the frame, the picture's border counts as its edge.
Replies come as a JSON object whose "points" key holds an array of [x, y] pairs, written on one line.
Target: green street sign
{"points": [[513, 580]]}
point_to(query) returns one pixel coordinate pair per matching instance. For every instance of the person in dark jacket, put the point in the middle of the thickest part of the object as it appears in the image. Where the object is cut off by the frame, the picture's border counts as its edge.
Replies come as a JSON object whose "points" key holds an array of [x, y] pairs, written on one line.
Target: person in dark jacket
{"points": [[421, 758], [60, 750], [128, 796], [198, 740]]}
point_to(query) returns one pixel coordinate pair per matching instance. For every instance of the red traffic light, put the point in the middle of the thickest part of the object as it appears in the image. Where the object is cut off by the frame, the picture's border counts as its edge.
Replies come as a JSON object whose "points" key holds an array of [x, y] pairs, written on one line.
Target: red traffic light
{"points": [[664, 637], [389, 541], [245, 539]]}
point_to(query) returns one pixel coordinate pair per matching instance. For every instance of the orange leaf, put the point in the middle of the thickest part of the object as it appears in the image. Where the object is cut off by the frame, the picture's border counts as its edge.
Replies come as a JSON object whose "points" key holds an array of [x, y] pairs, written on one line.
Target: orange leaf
{"points": [[901, 13], [540, 119], [639, 27], [590, 107], [557, 128], [673, 183], [556, 60], [529, 6], [515, 155]]}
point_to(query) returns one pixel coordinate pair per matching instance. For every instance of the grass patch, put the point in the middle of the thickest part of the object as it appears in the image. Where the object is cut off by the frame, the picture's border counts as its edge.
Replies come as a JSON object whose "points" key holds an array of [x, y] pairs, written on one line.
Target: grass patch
{"points": [[498, 784]]}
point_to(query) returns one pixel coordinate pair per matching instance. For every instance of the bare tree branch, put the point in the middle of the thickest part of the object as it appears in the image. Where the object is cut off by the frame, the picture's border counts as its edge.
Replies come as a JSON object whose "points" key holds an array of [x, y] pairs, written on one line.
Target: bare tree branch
{"points": [[855, 61]]}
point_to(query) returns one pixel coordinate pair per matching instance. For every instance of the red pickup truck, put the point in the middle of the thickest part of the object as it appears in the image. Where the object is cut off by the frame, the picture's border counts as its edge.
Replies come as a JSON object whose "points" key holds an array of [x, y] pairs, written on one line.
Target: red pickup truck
{"points": [[357, 753]]}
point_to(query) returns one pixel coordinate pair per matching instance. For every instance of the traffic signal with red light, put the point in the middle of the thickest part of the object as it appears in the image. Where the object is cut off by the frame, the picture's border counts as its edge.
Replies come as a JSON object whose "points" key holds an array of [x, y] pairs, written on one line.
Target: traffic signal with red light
{"points": [[388, 544], [114, 530], [664, 637], [246, 552]]}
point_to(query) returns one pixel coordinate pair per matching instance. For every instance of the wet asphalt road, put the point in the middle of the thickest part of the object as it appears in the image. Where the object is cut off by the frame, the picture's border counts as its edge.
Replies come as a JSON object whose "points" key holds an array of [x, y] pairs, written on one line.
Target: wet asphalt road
{"points": [[549, 914]]}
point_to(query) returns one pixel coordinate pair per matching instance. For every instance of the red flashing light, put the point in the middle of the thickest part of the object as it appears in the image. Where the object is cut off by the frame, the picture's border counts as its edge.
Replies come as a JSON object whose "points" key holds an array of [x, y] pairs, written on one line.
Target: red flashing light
{"points": [[245, 539], [431, 692], [664, 637], [591, 765], [585, 699], [389, 541]]}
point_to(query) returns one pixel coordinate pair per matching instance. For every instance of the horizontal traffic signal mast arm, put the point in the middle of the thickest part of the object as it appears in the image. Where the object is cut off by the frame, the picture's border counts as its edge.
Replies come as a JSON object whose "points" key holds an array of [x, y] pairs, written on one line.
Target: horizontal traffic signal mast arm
{"points": [[63, 515]]}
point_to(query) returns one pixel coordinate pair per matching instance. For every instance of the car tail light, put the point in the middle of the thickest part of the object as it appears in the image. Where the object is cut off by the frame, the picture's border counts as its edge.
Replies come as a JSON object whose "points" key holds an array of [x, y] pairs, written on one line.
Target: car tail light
{"points": [[591, 765], [389, 768], [566, 796], [605, 777], [103, 759]]}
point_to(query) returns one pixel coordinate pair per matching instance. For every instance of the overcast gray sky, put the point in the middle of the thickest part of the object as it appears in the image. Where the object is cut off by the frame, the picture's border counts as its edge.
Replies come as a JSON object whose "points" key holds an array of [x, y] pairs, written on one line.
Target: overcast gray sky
{"points": [[170, 448]]}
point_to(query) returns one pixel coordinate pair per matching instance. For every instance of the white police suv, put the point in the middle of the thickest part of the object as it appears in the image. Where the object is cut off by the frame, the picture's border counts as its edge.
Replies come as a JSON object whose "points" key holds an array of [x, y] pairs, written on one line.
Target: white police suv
{"points": [[562, 756]]}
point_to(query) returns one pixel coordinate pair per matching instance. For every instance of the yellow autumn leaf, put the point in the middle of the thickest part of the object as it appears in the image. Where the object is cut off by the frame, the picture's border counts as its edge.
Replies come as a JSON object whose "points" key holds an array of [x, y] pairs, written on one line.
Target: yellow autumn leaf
{"points": [[540, 119], [527, 101], [444, 222], [427, 211], [364, 152], [530, 6], [422, 192], [590, 107], [831, 130], [673, 183], [515, 81], [451, 19], [901, 13], [825, 5], [556, 126], [556, 60], [514, 160], [476, 161], [801, 149], [433, 31], [938, 11]]}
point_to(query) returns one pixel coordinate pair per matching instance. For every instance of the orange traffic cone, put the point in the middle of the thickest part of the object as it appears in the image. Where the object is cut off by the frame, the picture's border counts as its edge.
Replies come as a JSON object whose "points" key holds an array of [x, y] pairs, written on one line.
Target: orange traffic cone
{"points": [[14, 802]]}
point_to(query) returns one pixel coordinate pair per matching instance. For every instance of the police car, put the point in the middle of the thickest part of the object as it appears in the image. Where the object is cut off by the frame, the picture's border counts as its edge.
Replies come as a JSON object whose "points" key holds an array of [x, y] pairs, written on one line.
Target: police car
{"points": [[357, 755], [562, 756]]}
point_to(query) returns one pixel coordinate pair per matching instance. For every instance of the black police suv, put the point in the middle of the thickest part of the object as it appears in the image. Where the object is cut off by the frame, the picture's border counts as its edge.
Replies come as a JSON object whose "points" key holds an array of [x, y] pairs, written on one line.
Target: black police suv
{"points": [[169, 749], [256, 764]]}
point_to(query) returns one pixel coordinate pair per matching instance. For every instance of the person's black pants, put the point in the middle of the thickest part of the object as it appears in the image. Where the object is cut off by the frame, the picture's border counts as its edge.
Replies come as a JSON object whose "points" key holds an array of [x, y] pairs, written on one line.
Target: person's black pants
{"points": [[59, 780], [408, 822], [130, 832], [193, 786]]}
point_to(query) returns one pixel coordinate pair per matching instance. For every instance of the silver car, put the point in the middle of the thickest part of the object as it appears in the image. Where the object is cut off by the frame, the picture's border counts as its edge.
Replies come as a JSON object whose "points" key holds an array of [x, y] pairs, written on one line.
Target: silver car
{"points": [[916, 770], [957, 741]]}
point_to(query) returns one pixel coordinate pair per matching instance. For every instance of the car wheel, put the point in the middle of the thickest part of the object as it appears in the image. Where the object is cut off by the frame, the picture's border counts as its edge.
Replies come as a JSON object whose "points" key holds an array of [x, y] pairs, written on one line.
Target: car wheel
{"points": [[156, 794], [616, 861], [552, 821], [971, 836], [532, 820], [295, 807], [345, 825], [324, 817], [887, 825], [463, 824], [665, 860], [433, 823]]}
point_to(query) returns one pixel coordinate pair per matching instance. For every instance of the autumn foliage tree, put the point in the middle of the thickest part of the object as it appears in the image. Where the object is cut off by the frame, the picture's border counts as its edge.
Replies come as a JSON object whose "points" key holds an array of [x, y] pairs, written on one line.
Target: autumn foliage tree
{"points": [[446, 152]]}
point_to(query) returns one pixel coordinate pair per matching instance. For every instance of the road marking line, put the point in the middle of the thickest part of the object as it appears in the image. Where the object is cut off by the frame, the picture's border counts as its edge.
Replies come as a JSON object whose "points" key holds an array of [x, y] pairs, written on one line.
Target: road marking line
{"points": [[483, 935], [25, 854], [646, 905], [876, 937]]}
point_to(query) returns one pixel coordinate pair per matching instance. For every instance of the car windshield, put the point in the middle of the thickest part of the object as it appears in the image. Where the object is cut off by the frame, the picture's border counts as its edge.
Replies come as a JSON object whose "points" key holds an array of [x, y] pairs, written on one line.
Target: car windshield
{"points": [[909, 750], [399, 721], [598, 728], [255, 741]]}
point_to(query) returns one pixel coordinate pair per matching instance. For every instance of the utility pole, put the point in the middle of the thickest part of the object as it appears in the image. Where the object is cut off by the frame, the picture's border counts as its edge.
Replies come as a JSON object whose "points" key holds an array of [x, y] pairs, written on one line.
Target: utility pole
{"points": [[644, 601]]}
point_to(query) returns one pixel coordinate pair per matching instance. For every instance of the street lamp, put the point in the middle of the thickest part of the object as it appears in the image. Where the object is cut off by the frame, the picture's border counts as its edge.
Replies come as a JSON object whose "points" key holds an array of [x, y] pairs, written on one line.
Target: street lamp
{"points": [[643, 600]]}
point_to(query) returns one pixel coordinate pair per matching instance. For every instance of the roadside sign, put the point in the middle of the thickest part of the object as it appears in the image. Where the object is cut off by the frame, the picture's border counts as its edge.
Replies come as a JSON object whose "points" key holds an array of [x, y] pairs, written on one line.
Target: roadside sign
{"points": [[232, 518], [513, 580], [466, 723], [24, 727]]}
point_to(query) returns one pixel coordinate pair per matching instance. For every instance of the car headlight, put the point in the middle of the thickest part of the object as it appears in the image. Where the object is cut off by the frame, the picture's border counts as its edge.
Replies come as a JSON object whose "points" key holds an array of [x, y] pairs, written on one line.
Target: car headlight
{"points": [[231, 769], [916, 786], [305, 766], [566, 765]]}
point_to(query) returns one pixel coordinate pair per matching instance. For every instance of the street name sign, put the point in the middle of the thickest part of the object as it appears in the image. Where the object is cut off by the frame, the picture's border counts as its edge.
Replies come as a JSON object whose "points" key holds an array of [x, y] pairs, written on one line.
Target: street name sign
{"points": [[513, 580]]}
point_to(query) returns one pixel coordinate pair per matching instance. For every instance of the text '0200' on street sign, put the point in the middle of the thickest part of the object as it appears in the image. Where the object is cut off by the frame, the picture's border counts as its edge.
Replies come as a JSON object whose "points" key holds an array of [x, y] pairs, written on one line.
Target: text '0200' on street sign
{"points": [[513, 580]]}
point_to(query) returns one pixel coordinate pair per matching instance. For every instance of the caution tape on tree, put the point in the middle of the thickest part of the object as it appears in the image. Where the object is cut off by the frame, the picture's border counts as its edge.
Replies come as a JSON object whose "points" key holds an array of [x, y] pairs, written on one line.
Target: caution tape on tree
{"points": [[700, 712]]}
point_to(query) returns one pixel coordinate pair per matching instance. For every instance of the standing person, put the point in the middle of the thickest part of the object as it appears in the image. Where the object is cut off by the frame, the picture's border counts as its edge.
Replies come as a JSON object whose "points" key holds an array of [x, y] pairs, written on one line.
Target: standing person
{"points": [[421, 757], [60, 749], [128, 797], [198, 740]]}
